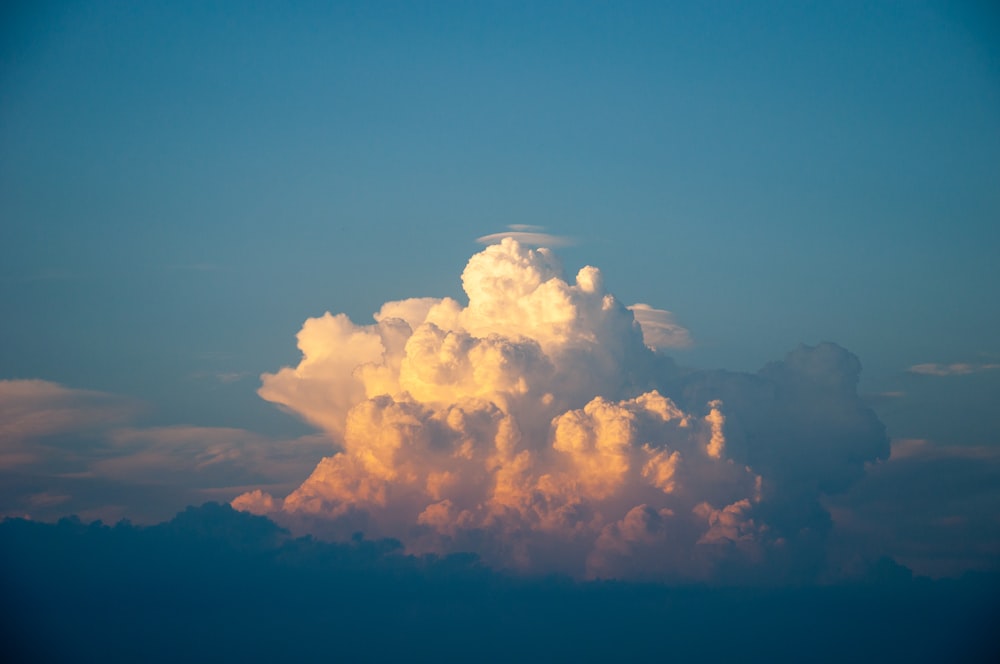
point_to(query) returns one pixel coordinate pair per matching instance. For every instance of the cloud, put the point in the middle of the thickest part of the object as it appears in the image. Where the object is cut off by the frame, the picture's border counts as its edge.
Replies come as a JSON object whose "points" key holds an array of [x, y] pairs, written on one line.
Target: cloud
{"points": [[64, 449], [951, 494], [251, 592], [527, 235], [917, 448], [956, 369], [34, 412], [206, 457], [535, 426], [222, 377], [659, 329], [799, 421]]}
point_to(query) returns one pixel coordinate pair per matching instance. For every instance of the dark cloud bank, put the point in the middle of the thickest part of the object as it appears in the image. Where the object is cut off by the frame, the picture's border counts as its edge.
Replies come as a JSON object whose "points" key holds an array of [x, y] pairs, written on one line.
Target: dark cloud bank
{"points": [[214, 584]]}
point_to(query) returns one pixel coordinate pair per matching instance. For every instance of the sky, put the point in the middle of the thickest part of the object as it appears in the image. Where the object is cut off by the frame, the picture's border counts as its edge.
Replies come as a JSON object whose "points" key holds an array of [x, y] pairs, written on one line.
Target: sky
{"points": [[746, 331]]}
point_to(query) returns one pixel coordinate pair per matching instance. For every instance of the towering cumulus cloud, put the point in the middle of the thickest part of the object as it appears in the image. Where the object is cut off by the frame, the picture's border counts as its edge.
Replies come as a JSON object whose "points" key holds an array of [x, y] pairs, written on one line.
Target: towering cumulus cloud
{"points": [[535, 427]]}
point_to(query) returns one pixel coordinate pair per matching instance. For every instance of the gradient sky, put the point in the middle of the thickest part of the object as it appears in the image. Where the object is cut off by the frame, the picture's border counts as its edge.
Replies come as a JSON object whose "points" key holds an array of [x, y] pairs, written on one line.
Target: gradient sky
{"points": [[182, 184]]}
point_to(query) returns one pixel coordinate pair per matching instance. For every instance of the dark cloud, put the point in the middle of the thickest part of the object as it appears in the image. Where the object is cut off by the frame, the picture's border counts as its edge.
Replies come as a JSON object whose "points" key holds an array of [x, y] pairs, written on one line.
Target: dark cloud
{"points": [[799, 421], [951, 519], [217, 585], [801, 424]]}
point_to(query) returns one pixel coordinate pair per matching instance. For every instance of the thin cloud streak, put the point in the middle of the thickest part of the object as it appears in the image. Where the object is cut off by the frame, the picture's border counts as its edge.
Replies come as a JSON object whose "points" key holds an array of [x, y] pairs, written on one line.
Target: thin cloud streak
{"points": [[918, 448], [528, 235], [955, 369], [530, 239]]}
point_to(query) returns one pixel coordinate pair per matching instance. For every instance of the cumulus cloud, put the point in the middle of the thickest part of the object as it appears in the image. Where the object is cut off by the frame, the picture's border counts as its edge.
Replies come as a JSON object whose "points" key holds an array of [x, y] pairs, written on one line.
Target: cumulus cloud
{"points": [[532, 236], [535, 426], [955, 369]]}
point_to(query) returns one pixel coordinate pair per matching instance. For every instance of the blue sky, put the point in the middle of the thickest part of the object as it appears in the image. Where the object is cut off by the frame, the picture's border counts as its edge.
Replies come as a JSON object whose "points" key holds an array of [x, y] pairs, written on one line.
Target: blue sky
{"points": [[183, 184]]}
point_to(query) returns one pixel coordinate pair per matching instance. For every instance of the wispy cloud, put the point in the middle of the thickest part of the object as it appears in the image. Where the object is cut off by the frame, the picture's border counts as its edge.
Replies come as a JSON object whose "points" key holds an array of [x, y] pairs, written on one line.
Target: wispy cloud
{"points": [[528, 235], [659, 328], [955, 369], [32, 412], [235, 455], [919, 448], [883, 398], [68, 450], [224, 377]]}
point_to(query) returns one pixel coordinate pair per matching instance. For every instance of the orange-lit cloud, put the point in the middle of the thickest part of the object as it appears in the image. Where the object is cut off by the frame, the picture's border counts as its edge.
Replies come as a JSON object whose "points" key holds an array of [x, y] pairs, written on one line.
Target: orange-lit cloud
{"points": [[526, 426]]}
